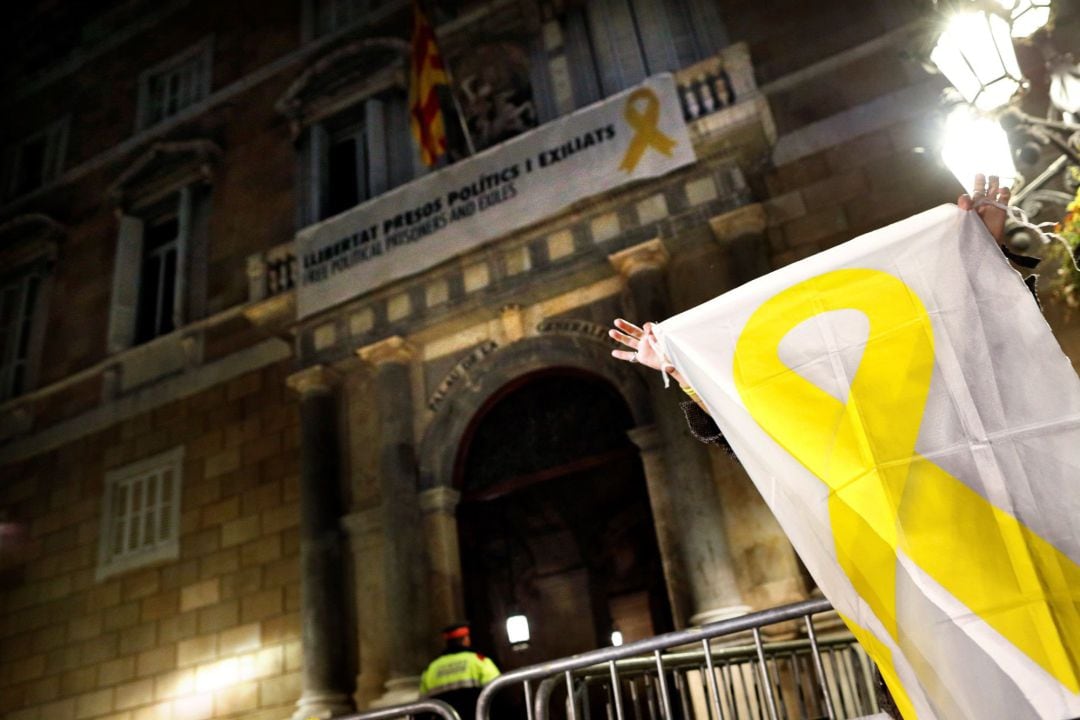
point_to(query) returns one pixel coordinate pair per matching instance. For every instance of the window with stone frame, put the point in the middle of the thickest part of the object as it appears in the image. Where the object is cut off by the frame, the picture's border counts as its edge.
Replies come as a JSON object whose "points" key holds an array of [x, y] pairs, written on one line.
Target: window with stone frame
{"points": [[155, 314], [328, 16], [159, 277], [37, 159], [614, 44], [29, 245], [366, 150], [350, 118], [140, 515], [175, 84], [18, 300]]}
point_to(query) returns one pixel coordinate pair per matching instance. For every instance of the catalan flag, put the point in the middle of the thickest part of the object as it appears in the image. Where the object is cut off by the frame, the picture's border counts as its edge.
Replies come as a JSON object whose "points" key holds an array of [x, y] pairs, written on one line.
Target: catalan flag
{"points": [[904, 409], [427, 73]]}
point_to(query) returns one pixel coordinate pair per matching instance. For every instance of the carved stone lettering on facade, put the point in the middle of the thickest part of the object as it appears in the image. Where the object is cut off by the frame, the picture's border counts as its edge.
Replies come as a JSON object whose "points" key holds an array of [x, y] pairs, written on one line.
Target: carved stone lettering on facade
{"points": [[460, 371], [572, 326]]}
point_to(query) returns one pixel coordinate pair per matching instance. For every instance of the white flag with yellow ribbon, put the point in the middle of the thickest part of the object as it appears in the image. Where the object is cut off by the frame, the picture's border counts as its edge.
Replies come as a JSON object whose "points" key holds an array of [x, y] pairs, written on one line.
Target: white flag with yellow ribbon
{"points": [[905, 411]]}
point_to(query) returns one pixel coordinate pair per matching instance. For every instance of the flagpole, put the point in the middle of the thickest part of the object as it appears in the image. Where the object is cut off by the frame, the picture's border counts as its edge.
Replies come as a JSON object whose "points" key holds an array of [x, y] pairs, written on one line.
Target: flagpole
{"points": [[453, 95]]}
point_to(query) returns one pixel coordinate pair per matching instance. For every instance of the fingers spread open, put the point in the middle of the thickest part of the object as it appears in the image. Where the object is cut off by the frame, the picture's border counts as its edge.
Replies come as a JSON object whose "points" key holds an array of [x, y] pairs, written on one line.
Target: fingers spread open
{"points": [[625, 339], [628, 327], [623, 355]]}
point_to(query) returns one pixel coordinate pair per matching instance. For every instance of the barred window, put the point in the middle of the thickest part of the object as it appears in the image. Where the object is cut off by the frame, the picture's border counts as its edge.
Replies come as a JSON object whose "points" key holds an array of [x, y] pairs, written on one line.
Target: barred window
{"points": [[141, 514], [177, 83]]}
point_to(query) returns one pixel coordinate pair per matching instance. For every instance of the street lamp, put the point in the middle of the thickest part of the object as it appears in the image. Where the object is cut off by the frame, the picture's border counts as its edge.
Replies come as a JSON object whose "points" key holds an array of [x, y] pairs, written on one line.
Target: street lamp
{"points": [[517, 630], [975, 52], [975, 143], [1026, 16]]}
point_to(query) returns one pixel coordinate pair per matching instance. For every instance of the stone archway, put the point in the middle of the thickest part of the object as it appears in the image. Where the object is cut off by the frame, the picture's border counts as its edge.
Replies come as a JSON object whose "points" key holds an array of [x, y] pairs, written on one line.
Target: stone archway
{"points": [[555, 520], [437, 451]]}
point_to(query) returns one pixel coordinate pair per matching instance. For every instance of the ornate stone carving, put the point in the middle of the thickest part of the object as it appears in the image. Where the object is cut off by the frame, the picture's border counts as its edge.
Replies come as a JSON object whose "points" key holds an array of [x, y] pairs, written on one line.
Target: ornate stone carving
{"points": [[743, 221], [645, 256], [394, 349], [317, 378]]}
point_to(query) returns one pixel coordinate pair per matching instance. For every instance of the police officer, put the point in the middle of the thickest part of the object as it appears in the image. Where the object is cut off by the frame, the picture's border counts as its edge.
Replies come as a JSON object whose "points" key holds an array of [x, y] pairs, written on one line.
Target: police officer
{"points": [[458, 674]]}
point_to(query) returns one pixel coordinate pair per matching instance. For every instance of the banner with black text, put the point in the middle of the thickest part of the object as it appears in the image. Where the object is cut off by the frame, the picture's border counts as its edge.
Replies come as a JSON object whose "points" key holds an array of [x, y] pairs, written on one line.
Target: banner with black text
{"points": [[639, 133]]}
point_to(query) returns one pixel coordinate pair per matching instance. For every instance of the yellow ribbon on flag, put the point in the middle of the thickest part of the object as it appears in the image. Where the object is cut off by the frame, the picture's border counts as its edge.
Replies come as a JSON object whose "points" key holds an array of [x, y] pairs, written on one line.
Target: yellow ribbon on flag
{"points": [[884, 497], [646, 131]]}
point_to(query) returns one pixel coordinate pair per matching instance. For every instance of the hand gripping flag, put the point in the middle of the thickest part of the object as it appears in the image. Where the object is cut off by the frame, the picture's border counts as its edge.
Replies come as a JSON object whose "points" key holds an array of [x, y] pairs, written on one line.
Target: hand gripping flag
{"points": [[907, 414], [426, 74]]}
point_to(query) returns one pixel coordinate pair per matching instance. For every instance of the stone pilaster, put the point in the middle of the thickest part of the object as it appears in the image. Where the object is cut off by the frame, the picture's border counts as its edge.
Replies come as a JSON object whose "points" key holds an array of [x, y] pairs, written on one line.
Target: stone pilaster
{"points": [[741, 233], [404, 564], [324, 676], [686, 505], [438, 507]]}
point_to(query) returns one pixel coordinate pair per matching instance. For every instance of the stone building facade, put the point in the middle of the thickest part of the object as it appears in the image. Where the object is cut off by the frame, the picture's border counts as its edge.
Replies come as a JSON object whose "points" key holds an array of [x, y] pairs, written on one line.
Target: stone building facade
{"points": [[213, 509]]}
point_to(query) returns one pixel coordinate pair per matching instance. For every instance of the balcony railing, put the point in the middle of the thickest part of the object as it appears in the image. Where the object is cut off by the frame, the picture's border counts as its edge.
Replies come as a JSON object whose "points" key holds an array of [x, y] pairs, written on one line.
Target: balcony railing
{"points": [[272, 272]]}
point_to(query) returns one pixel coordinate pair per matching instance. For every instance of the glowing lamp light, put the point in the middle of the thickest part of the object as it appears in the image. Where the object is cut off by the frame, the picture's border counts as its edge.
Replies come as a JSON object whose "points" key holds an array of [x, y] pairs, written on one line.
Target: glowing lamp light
{"points": [[616, 638], [517, 629], [1026, 16], [976, 54], [974, 143]]}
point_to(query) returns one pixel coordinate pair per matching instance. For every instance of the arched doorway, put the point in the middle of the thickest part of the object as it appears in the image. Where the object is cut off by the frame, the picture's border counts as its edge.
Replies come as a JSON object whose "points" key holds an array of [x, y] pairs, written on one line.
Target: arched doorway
{"points": [[555, 521]]}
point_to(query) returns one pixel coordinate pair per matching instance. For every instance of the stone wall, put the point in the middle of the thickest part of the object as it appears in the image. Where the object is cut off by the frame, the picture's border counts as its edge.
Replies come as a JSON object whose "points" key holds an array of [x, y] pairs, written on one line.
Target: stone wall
{"points": [[215, 633]]}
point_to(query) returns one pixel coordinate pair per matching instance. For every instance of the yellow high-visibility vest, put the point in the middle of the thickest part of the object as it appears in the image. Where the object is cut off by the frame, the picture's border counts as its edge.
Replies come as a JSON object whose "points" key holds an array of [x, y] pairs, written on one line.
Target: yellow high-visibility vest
{"points": [[457, 671]]}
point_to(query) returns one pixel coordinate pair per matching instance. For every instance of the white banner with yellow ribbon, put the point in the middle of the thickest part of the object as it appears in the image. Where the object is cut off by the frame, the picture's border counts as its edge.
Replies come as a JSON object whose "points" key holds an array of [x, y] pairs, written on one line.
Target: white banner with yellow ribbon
{"points": [[639, 133], [905, 411]]}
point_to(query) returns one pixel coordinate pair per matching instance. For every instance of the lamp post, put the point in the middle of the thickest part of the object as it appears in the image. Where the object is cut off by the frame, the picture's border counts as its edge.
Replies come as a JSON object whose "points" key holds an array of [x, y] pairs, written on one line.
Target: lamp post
{"points": [[1026, 17], [989, 132], [975, 52]]}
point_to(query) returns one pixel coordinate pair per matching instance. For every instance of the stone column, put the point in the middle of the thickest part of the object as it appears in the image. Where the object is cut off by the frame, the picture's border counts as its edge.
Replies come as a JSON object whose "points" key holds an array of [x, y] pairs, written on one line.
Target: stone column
{"points": [[324, 674], [686, 506], [741, 235], [439, 508], [403, 555], [770, 576]]}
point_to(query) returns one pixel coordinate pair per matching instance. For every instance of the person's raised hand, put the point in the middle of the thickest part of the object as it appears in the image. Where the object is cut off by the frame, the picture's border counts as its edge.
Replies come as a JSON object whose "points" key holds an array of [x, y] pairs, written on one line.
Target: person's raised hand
{"points": [[634, 349], [993, 217], [640, 346]]}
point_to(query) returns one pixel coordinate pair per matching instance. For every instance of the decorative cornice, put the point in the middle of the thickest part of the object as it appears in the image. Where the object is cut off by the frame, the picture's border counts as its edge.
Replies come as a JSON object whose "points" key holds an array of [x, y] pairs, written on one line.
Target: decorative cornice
{"points": [[37, 224], [314, 379], [394, 349], [647, 438], [644, 256], [363, 522], [29, 237], [743, 221], [336, 66], [197, 153]]}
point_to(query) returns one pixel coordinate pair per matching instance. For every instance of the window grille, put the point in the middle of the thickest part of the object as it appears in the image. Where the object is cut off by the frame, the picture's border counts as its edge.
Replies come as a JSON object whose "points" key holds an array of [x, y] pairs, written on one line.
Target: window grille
{"points": [[141, 514]]}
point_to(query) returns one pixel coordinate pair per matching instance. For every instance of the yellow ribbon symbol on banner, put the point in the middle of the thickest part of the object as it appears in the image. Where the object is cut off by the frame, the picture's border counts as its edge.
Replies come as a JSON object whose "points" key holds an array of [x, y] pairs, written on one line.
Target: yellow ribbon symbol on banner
{"points": [[646, 132], [884, 497]]}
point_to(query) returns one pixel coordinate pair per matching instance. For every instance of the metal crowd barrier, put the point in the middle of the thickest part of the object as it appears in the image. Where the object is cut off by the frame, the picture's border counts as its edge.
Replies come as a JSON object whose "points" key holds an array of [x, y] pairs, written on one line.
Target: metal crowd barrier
{"points": [[667, 677], [421, 707]]}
